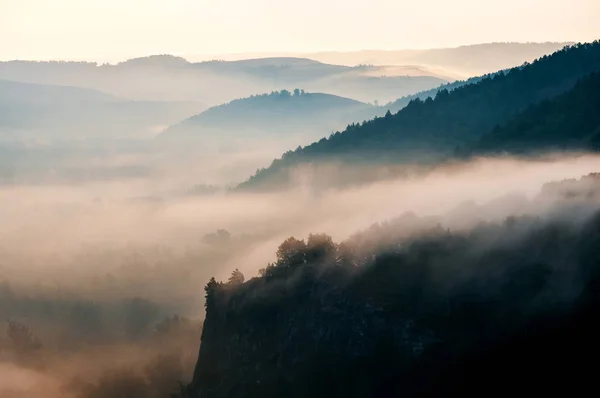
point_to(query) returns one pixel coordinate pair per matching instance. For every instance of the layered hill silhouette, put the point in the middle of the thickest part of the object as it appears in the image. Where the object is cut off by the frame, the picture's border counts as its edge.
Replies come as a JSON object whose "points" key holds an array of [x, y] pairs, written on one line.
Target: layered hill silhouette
{"points": [[469, 60], [166, 77], [279, 116], [430, 130], [29, 110], [461, 62]]}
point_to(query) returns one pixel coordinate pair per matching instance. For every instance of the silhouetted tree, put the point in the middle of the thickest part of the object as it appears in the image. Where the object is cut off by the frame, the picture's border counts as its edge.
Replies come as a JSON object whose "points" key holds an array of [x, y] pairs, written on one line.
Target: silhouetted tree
{"points": [[320, 247], [210, 290], [291, 252], [268, 271], [236, 278]]}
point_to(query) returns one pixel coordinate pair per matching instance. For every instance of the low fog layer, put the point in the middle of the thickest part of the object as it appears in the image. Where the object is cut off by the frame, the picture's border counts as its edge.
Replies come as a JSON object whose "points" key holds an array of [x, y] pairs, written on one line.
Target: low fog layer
{"points": [[101, 281], [45, 217]]}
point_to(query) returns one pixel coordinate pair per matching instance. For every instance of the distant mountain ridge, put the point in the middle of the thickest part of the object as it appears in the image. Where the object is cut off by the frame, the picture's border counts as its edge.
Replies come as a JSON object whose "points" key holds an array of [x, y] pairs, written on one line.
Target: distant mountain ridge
{"points": [[42, 111], [15, 91], [465, 61], [468, 60], [167, 77]]}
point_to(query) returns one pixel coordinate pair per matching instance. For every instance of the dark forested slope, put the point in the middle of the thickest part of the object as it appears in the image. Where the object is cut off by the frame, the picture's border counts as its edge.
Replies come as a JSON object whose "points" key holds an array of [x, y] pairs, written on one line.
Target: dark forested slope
{"points": [[411, 309], [425, 130], [402, 102], [569, 121]]}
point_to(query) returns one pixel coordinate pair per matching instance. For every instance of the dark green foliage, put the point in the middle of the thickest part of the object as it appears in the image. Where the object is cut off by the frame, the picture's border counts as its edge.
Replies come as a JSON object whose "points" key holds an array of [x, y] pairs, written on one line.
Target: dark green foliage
{"points": [[320, 247], [430, 130], [210, 288], [291, 252], [400, 103], [236, 278], [569, 121]]}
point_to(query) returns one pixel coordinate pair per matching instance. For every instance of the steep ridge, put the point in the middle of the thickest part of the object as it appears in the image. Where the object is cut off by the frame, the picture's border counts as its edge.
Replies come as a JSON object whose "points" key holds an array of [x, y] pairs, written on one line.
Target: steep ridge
{"points": [[411, 309], [570, 121], [424, 131]]}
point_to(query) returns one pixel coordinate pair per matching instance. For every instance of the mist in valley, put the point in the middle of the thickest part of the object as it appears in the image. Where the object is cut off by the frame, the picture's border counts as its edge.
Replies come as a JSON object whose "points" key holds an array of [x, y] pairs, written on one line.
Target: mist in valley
{"points": [[102, 280]]}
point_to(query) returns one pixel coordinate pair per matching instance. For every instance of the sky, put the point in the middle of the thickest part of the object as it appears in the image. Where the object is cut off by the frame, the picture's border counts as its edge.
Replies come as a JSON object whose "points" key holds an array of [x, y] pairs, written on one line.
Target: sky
{"points": [[109, 30]]}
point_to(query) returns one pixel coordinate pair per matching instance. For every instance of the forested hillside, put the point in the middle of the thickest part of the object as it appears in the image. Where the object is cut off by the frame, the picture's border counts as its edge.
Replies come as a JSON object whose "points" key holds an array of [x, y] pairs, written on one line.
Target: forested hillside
{"points": [[402, 102], [570, 121], [428, 130]]}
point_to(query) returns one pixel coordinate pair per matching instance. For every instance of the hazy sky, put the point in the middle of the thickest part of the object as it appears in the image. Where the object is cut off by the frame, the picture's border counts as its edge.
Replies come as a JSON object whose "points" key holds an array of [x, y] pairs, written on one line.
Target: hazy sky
{"points": [[117, 29]]}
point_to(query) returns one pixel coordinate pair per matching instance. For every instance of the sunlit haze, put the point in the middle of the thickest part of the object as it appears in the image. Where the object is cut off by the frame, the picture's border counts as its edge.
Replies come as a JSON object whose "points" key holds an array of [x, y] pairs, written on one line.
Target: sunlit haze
{"points": [[112, 30]]}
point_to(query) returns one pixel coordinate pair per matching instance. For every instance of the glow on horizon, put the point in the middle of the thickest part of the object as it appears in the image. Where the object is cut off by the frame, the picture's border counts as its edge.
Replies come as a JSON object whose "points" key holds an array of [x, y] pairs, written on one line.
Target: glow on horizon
{"points": [[108, 30]]}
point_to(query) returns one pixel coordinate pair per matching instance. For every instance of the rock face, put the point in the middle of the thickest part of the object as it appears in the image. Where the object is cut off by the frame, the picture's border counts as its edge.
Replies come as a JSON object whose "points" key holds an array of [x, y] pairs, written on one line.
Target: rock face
{"points": [[259, 350], [501, 309]]}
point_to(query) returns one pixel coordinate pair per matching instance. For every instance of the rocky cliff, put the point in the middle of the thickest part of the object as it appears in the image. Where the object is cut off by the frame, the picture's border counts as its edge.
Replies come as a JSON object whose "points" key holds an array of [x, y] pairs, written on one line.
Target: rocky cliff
{"points": [[497, 310]]}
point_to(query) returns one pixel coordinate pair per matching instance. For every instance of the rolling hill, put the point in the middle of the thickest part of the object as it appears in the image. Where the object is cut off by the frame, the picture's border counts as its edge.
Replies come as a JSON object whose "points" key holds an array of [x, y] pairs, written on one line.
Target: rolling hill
{"points": [[281, 116], [430, 130], [46, 112]]}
